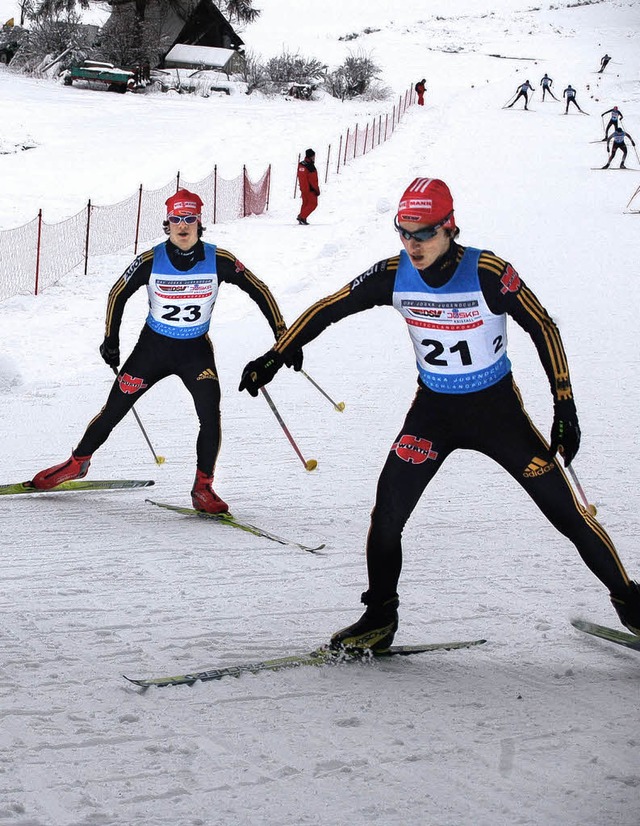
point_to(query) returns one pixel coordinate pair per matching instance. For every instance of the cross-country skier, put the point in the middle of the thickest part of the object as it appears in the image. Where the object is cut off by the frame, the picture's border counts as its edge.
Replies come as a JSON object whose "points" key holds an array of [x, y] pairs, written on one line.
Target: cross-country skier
{"points": [[546, 83], [421, 88], [603, 63], [570, 94], [617, 136], [182, 277], [521, 92], [309, 186], [455, 301], [614, 120]]}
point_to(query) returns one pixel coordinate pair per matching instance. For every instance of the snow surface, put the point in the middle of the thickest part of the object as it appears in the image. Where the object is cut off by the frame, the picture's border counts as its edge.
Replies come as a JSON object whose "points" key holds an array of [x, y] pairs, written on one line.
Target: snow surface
{"points": [[537, 727]]}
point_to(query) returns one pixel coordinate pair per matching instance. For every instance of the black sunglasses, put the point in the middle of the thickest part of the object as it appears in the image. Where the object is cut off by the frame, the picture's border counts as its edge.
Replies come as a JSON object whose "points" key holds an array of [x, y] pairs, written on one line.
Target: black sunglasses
{"points": [[423, 234]]}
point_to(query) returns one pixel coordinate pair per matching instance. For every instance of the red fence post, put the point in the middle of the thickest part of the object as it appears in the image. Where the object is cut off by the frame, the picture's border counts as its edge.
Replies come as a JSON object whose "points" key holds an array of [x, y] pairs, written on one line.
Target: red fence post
{"points": [[326, 171], [215, 193], [244, 191], [366, 139], [135, 246], [379, 129], [346, 148], [86, 245], [266, 208], [35, 292], [339, 156], [355, 141], [386, 124]]}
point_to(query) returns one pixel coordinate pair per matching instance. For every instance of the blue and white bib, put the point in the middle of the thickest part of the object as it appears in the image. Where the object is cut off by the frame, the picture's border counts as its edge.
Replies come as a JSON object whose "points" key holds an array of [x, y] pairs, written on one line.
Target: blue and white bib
{"points": [[460, 345], [181, 303]]}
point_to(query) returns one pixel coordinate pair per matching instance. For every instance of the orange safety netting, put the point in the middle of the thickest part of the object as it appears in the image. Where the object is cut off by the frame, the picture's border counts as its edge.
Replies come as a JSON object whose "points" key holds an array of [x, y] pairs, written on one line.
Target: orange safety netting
{"points": [[36, 255]]}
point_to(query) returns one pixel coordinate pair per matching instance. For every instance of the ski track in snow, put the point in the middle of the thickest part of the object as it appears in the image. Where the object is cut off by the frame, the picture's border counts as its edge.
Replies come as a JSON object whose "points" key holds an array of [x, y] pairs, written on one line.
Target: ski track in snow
{"points": [[535, 728]]}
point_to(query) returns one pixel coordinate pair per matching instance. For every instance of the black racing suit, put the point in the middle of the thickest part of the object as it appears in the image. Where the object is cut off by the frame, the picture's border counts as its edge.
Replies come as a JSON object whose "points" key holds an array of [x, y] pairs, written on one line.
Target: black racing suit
{"points": [[157, 356], [491, 421]]}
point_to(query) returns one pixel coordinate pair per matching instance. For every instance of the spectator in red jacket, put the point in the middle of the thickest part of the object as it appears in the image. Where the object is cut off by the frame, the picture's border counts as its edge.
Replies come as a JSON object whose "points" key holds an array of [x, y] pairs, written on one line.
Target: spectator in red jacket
{"points": [[309, 187], [421, 88]]}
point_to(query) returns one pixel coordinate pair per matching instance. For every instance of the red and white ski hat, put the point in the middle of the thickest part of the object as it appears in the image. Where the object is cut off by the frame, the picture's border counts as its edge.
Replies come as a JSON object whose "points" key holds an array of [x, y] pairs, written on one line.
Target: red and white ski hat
{"points": [[184, 203], [427, 201]]}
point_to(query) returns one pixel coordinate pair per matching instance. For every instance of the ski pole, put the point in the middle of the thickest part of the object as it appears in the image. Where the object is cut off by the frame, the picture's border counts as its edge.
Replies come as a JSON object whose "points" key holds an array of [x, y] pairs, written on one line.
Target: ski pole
{"points": [[159, 460], [591, 509], [309, 464], [635, 149], [339, 406], [632, 197], [510, 99]]}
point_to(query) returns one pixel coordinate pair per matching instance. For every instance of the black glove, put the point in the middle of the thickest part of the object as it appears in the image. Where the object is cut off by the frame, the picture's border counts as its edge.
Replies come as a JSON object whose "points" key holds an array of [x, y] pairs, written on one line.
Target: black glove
{"points": [[294, 359], [259, 372], [110, 352], [565, 431]]}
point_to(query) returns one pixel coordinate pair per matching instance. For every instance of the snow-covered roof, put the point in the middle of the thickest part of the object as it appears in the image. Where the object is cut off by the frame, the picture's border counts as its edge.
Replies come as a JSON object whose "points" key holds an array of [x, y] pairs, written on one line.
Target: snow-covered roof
{"points": [[185, 55]]}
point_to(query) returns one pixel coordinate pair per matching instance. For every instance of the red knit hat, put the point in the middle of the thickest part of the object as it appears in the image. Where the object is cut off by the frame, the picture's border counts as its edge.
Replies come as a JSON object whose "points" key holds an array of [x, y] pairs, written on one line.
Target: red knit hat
{"points": [[427, 201], [184, 203]]}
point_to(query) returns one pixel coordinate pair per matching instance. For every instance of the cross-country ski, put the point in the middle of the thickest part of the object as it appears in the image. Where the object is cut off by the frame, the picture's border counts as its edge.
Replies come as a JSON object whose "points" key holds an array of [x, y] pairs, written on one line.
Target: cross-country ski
{"points": [[603, 632], [319, 657], [77, 485], [233, 522]]}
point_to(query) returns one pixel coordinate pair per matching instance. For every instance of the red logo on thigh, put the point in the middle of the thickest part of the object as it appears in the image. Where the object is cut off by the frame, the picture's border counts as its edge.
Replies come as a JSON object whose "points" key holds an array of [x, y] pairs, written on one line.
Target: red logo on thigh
{"points": [[414, 449], [130, 384]]}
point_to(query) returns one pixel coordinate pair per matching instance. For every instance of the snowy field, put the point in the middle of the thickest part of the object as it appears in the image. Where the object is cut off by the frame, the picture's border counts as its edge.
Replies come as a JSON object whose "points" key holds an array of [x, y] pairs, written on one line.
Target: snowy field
{"points": [[536, 728]]}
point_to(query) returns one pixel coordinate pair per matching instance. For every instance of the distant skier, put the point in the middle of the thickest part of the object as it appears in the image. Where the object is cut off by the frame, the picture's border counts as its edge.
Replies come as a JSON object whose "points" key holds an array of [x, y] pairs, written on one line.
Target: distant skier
{"points": [[603, 63], [309, 187], [421, 88], [522, 92], [614, 120], [546, 83], [570, 94], [455, 301], [618, 135], [182, 277]]}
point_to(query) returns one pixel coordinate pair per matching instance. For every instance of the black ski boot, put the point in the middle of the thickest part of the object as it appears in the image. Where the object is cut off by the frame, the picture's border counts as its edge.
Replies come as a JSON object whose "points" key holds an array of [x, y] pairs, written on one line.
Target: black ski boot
{"points": [[627, 605], [374, 630]]}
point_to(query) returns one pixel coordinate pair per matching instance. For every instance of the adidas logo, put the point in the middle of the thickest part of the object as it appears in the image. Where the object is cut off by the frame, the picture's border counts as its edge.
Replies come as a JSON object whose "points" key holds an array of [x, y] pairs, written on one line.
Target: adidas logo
{"points": [[207, 374], [537, 467]]}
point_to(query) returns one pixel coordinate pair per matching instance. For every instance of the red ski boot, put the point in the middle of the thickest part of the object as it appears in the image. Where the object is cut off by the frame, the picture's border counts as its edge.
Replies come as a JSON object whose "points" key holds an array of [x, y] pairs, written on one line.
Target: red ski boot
{"points": [[203, 496], [75, 467]]}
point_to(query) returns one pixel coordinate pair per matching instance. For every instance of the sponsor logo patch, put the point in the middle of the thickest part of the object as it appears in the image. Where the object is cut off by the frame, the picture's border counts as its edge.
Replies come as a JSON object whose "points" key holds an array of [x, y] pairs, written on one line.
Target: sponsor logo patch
{"points": [[130, 384], [537, 467], [414, 449], [207, 374], [510, 281]]}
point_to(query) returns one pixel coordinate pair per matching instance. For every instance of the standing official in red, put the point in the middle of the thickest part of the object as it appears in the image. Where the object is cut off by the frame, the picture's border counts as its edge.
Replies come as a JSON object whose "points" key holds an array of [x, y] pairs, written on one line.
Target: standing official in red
{"points": [[309, 187], [421, 88]]}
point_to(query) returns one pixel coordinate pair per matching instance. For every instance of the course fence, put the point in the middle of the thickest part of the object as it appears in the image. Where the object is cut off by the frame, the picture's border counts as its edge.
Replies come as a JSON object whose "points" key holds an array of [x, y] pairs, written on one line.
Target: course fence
{"points": [[360, 140], [37, 254]]}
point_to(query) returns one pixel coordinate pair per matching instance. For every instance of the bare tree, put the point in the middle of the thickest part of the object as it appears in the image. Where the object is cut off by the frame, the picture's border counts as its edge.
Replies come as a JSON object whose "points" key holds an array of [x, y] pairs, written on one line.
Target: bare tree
{"points": [[50, 35]]}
